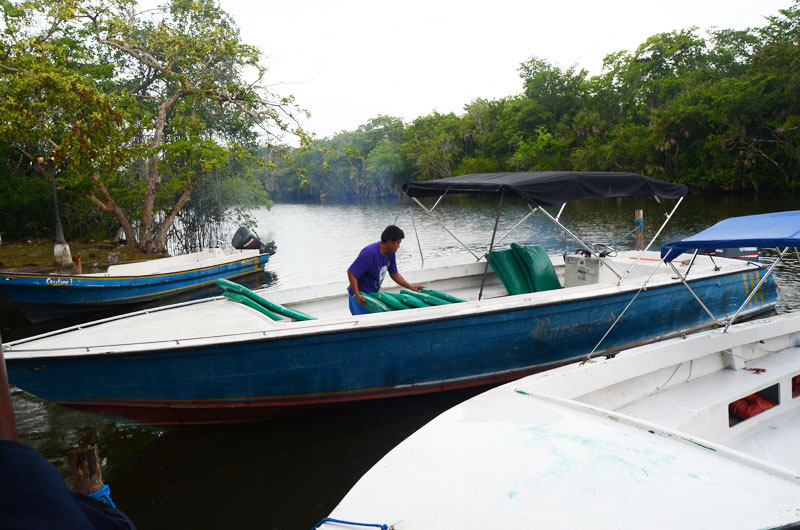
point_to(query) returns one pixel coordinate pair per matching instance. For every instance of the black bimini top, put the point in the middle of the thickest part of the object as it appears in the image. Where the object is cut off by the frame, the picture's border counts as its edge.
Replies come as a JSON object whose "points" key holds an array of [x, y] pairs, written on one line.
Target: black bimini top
{"points": [[549, 188]]}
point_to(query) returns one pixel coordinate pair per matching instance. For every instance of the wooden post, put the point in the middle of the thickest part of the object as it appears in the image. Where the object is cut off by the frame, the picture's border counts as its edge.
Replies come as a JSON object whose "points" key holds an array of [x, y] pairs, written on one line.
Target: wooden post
{"points": [[8, 429], [84, 464], [639, 217]]}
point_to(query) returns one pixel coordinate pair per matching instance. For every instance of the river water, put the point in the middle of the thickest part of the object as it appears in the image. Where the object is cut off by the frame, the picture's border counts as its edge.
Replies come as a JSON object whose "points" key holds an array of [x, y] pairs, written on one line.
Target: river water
{"points": [[289, 473]]}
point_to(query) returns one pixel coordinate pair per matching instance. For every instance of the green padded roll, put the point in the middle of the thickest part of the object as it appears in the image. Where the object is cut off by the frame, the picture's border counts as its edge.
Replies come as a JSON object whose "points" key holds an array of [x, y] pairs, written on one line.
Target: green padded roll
{"points": [[272, 306], [390, 300], [428, 299], [374, 305], [507, 267], [444, 296], [537, 265], [410, 300], [236, 297]]}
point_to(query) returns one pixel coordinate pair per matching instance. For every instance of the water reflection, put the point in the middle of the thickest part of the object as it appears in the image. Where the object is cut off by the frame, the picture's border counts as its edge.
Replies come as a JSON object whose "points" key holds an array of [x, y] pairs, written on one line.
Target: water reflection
{"points": [[290, 472]]}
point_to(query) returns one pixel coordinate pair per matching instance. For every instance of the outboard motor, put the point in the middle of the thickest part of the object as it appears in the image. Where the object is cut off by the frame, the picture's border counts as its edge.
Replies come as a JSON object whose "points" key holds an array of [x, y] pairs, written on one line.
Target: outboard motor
{"points": [[246, 238]]}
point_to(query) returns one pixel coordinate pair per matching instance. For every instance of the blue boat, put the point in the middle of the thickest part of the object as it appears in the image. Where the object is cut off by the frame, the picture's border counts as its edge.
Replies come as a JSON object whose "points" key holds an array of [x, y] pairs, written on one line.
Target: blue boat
{"points": [[228, 359], [48, 296]]}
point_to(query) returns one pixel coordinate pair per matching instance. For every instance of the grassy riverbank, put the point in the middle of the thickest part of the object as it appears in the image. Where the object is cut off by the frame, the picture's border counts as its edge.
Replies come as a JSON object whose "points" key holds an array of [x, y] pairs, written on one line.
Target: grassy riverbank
{"points": [[38, 254]]}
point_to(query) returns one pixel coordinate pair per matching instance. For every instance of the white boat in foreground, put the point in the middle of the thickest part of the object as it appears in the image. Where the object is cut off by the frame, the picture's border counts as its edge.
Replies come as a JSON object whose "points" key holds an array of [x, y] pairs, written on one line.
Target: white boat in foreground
{"points": [[647, 439]]}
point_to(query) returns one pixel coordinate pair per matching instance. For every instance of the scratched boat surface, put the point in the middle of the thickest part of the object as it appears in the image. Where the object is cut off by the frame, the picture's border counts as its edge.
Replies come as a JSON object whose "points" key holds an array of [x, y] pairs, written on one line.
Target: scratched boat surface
{"points": [[644, 440]]}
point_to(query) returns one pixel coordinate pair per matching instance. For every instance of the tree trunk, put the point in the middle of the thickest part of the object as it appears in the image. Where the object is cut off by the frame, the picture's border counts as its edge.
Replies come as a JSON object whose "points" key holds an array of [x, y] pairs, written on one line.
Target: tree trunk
{"points": [[147, 241], [111, 206]]}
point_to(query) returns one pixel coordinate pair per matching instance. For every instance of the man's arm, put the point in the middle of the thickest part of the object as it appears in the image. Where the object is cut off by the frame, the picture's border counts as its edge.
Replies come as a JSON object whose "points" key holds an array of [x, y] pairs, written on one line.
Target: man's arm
{"points": [[399, 280], [354, 286]]}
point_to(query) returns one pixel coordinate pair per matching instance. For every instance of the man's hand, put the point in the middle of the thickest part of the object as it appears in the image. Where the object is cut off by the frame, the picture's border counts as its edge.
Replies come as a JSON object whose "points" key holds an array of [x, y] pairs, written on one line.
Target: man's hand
{"points": [[360, 298]]}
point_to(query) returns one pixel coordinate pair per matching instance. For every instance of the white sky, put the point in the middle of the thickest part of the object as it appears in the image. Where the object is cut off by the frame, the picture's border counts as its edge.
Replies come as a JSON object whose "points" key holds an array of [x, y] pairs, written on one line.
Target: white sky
{"points": [[349, 61]]}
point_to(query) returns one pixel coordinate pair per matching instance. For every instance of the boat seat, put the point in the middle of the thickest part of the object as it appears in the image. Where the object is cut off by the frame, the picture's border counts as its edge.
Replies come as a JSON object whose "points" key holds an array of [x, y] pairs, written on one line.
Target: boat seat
{"points": [[525, 269]]}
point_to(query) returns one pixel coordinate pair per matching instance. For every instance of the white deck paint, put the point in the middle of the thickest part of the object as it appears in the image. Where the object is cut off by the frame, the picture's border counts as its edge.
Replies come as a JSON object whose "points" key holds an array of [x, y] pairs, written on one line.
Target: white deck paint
{"points": [[218, 320], [638, 441], [196, 260]]}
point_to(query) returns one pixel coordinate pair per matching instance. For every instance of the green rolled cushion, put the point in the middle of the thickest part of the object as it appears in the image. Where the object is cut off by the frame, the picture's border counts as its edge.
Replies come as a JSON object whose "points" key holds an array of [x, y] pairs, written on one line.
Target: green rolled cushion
{"points": [[236, 297], [411, 301], [390, 300], [428, 299], [443, 296], [374, 305], [507, 267], [232, 287], [537, 265]]}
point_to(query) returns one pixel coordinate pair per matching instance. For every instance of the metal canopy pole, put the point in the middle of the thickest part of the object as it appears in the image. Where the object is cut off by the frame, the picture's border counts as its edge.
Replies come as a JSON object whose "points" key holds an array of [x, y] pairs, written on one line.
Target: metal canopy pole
{"points": [[516, 225], [573, 236], [639, 257], [760, 283], [588, 357], [686, 284], [421, 257], [430, 212], [491, 244]]}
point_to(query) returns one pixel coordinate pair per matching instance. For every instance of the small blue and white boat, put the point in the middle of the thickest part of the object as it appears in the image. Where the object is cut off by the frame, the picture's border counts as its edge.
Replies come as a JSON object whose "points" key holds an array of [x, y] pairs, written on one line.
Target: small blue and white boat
{"points": [[223, 360], [48, 296]]}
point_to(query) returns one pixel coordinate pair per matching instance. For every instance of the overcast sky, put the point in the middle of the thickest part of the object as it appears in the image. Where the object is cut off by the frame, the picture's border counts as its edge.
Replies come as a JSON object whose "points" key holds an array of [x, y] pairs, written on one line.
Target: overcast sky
{"points": [[349, 61]]}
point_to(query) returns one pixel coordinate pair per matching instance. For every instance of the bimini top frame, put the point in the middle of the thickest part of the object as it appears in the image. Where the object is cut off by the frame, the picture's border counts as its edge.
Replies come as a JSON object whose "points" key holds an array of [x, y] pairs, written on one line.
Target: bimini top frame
{"points": [[547, 188], [780, 229]]}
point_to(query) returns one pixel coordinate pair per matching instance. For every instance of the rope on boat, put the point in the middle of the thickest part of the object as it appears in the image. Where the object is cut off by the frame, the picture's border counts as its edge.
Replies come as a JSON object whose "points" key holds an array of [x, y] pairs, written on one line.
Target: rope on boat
{"points": [[351, 523], [639, 224], [103, 495]]}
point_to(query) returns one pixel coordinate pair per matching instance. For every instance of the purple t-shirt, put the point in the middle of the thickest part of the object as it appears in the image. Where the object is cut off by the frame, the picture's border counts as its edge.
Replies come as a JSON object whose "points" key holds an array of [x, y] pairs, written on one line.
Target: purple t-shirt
{"points": [[370, 267]]}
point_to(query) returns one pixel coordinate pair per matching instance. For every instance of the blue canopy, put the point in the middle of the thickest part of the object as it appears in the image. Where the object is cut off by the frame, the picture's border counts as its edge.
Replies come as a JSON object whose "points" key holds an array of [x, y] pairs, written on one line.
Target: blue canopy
{"points": [[781, 229]]}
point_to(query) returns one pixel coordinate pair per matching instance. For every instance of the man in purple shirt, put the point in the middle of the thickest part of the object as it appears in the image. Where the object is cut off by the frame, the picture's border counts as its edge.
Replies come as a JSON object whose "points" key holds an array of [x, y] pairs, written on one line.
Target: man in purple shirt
{"points": [[368, 270]]}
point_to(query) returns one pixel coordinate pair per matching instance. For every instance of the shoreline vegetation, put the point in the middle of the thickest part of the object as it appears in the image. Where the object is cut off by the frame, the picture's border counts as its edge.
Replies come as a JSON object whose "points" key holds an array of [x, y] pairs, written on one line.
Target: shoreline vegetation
{"points": [[140, 133], [36, 255]]}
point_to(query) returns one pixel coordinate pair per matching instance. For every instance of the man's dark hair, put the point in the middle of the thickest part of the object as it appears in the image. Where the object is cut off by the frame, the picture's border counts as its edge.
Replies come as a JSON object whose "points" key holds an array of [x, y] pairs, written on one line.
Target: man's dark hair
{"points": [[392, 233]]}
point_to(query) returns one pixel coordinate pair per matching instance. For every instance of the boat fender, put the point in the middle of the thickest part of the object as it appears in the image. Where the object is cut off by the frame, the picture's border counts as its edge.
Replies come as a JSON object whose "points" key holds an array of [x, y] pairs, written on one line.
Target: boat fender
{"points": [[749, 406]]}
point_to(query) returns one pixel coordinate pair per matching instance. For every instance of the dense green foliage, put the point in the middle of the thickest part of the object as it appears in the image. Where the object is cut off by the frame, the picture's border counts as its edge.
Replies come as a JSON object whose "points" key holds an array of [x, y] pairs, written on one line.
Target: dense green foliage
{"points": [[161, 123], [720, 111], [131, 113]]}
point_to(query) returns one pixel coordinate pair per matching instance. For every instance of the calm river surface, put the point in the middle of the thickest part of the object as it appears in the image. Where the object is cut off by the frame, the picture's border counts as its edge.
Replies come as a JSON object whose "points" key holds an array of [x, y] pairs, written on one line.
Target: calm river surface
{"points": [[289, 473]]}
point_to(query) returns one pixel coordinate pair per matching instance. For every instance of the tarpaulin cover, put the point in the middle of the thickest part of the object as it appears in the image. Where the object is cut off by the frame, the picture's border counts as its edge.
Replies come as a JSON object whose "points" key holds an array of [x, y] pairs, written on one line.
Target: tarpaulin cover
{"points": [[781, 229], [549, 188]]}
